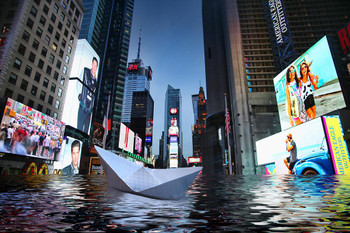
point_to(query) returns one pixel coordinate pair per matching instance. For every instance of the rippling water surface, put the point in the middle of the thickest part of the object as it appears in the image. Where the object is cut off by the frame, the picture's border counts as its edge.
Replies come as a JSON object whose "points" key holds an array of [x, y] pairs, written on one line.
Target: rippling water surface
{"points": [[234, 204]]}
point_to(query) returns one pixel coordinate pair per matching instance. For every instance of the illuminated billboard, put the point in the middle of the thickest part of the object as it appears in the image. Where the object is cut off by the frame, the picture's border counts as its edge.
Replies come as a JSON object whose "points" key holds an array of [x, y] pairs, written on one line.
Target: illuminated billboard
{"points": [[315, 147], [26, 131], [173, 149], [194, 159], [97, 137], [69, 161], [309, 87], [138, 144], [126, 138], [148, 139], [173, 139], [173, 131], [80, 95]]}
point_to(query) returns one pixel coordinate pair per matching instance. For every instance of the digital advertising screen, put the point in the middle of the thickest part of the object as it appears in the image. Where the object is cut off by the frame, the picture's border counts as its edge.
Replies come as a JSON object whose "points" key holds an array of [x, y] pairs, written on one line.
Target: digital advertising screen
{"points": [[26, 131], [304, 145], [126, 138], [80, 95], [97, 136], [173, 149], [69, 160], [138, 144], [309, 87], [173, 139], [173, 131]]}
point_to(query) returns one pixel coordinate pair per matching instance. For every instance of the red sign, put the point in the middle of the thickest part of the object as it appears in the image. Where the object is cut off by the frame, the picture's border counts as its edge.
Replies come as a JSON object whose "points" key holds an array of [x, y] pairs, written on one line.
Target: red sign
{"points": [[173, 110], [344, 38], [194, 159], [133, 66]]}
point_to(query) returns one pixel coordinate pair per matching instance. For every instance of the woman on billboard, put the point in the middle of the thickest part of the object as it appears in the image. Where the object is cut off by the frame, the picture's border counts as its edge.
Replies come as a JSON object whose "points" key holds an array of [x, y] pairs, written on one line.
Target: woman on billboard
{"points": [[294, 102], [306, 80]]}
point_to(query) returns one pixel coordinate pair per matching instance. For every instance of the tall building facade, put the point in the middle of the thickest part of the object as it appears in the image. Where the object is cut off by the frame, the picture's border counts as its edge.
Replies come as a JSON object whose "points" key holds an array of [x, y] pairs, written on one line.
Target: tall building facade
{"points": [[200, 112], [249, 55], [109, 35], [141, 120], [38, 40], [172, 144]]}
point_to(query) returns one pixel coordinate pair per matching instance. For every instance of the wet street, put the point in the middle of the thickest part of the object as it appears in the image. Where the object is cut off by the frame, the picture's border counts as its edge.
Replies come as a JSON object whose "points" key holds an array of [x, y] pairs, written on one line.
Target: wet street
{"points": [[57, 203]]}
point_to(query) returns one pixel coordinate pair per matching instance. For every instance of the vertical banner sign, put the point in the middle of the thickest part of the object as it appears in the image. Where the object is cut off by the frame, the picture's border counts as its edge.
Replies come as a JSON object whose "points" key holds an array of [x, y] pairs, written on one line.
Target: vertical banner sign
{"points": [[279, 32], [337, 145]]}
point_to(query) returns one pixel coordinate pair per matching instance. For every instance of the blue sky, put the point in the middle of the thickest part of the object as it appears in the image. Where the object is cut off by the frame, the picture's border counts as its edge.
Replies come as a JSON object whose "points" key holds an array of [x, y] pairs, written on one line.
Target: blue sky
{"points": [[172, 44]]}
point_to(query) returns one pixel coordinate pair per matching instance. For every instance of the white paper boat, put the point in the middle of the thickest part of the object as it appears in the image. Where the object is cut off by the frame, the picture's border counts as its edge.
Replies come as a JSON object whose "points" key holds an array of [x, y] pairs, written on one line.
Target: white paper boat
{"points": [[130, 177]]}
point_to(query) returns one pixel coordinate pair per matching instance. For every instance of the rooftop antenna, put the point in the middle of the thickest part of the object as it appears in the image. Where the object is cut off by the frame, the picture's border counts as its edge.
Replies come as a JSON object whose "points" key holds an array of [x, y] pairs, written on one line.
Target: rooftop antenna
{"points": [[138, 51]]}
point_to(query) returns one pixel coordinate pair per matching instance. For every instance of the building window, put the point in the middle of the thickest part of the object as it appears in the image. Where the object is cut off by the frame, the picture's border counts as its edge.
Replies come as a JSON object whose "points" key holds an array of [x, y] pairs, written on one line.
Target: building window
{"points": [[21, 49], [46, 9], [48, 111], [55, 8], [24, 85], [63, 43], [58, 64], [33, 11], [30, 23], [47, 40], [13, 79], [26, 36], [42, 21], [71, 40], [62, 80], [55, 115], [32, 57], [53, 18], [39, 32], [67, 59], [59, 92], [37, 2], [74, 30], [51, 58], [57, 104], [40, 108], [35, 44], [20, 98], [28, 71], [53, 87], [8, 93], [30, 103], [55, 75], [65, 32], [50, 29], [59, 26], [61, 53], [50, 100], [48, 1], [42, 95], [41, 64], [37, 77], [62, 16], [69, 49], [44, 51], [17, 64], [64, 70], [54, 47], [46, 83], [48, 70], [57, 36], [68, 23], [34, 90]]}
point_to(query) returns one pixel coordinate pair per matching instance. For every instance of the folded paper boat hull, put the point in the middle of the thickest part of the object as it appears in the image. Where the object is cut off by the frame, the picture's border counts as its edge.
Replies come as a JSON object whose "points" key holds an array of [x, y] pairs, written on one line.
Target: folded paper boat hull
{"points": [[130, 177]]}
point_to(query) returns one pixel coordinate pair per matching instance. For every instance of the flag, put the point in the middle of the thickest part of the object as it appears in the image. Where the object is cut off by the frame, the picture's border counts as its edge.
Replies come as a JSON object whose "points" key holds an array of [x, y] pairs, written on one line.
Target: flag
{"points": [[227, 121]]}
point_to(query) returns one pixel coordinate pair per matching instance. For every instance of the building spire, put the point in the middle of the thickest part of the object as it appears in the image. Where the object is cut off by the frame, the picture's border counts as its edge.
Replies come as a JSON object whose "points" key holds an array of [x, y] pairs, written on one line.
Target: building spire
{"points": [[139, 48]]}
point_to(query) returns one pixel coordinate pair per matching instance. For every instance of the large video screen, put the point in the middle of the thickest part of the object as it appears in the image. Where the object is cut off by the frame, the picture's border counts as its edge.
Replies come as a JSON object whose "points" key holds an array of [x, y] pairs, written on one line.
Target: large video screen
{"points": [[309, 141], [309, 87], [69, 159], [126, 138], [82, 87], [26, 131]]}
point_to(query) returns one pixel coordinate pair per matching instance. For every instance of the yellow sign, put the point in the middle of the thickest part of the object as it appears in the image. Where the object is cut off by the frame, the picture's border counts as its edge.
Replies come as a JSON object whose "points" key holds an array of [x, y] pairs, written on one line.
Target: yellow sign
{"points": [[338, 149]]}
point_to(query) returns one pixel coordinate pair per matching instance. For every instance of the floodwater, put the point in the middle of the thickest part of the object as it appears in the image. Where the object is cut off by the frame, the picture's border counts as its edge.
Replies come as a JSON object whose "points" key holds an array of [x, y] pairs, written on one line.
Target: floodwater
{"points": [[56, 203]]}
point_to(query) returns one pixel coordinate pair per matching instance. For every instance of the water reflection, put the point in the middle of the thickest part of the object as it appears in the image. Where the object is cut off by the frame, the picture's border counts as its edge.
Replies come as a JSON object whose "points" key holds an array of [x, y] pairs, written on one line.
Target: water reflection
{"points": [[212, 204]]}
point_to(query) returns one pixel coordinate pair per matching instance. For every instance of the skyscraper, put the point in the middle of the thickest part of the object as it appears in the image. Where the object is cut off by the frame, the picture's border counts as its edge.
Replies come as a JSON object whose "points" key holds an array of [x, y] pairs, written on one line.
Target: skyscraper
{"points": [[37, 44], [109, 35], [172, 149], [243, 54]]}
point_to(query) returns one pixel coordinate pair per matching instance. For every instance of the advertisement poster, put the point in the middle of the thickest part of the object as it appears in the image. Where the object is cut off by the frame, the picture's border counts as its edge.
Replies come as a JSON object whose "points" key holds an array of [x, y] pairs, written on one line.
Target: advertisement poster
{"points": [[173, 131], [26, 131], [309, 155], [309, 87], [69, 160], [97, 137], [95, 166], [126, 138], [173, 148], [338, 149], [81, 88], [138, 144]]}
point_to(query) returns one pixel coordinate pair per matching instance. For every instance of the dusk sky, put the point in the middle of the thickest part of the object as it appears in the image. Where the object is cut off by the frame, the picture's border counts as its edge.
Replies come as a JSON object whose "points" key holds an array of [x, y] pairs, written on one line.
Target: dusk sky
{"points": [[172, 44]]}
